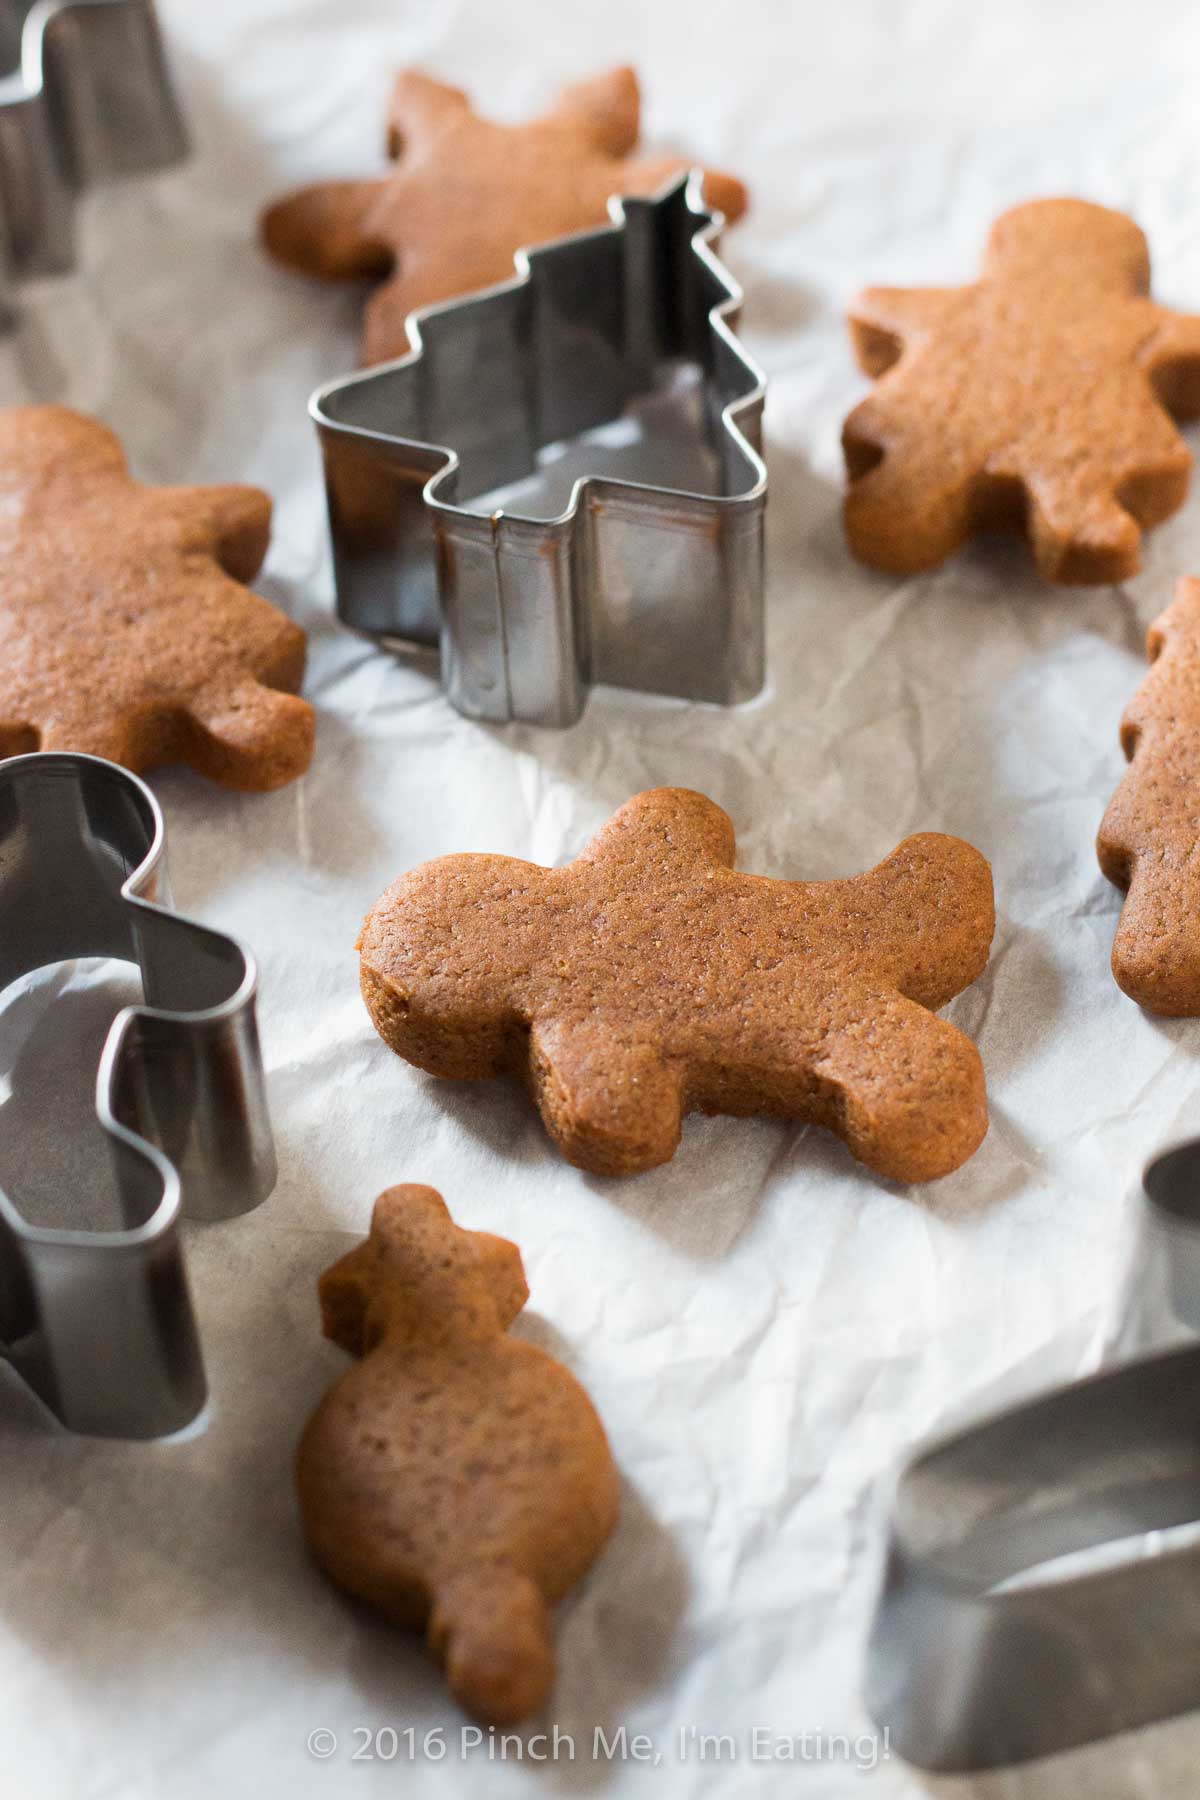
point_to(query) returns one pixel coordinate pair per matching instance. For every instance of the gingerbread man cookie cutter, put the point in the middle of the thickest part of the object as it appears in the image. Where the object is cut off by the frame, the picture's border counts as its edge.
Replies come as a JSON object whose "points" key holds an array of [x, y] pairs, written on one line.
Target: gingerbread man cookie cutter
{"points": [[983, 1653], [634, 584], [99, 1323], [85, 96]]}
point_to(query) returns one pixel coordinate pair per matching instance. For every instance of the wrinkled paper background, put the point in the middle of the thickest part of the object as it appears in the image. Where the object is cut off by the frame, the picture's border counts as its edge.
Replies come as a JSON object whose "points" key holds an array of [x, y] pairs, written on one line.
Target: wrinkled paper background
{"points": [[764, 1326]]}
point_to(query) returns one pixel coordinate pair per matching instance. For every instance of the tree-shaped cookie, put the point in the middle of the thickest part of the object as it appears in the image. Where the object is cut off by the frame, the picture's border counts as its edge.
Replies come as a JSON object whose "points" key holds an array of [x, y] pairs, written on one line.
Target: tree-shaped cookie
{"points": [[648, 978], [1149, 840], [458, 1479], [125, 628], [1043, 396], [466, 193]]}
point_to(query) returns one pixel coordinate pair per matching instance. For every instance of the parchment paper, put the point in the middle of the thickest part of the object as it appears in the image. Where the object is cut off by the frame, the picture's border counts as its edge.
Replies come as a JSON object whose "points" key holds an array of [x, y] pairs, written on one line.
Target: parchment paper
{"points": [[765, 1327]]}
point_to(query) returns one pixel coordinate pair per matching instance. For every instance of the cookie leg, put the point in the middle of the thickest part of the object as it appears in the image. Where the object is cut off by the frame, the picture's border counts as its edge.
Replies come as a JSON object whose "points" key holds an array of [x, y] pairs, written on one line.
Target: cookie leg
{"points": [[1156, 951], [612, 1107], [18, 739], [1081, 534], [490, 1628], [724, 193], [905, 1090], [136, 741], [248, 736], [385, 316], [424, 281], [904, 511]]}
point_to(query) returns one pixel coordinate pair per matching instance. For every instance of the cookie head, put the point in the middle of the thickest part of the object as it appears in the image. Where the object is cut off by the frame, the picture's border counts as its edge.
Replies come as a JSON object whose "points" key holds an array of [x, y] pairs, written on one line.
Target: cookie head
{"points": [[416, 1270], [1069, 243], [649, 978]]}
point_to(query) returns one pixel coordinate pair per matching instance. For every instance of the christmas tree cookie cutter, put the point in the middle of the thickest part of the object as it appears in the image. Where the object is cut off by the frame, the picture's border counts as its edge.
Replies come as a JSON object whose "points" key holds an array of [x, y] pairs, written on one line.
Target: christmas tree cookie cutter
{"points": [[85, 96], [637, 584], [1031, 1601], [99, 1323]]}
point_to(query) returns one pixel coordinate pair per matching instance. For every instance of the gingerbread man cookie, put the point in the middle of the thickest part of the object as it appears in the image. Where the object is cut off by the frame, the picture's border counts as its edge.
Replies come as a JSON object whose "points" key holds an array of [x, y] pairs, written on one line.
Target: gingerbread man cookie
{"points": [[125, 629], [458, 1480], [647, 978], [1043, 396], [1149, 841], [465, 194]]}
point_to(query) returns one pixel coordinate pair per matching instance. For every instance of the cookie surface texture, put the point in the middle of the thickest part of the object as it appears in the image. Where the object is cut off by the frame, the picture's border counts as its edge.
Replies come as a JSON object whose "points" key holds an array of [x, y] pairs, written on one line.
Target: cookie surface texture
{"points": [[125, 630], [1149, 841], [465, 194], [647, 978], [457, 1480], [1042, 397]]}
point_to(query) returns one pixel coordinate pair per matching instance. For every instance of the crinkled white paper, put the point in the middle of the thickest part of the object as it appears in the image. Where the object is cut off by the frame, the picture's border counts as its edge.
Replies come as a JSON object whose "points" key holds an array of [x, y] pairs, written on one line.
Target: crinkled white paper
{"points": [[764, 1326]]}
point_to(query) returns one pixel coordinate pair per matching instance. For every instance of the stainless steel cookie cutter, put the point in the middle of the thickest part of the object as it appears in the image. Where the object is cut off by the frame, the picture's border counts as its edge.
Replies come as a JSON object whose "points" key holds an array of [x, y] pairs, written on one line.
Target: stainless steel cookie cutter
{"points": [[85, 95], [641, 585], [100, 1324], [983, 1651]]}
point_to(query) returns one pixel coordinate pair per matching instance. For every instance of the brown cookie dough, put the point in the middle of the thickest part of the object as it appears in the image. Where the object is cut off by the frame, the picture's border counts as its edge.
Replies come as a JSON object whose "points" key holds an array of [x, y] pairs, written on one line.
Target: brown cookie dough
{"points": [[647, 978], [1149, 840], [1040, 397], [125, 630], [465, 194], [457, 1480]]}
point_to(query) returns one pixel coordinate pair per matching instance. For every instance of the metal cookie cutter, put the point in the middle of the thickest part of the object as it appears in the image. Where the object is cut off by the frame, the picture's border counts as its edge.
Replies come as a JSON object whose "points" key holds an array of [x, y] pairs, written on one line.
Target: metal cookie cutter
{"points": [[84, 96], [638, 584], [100, 1324], [984, 1653]]}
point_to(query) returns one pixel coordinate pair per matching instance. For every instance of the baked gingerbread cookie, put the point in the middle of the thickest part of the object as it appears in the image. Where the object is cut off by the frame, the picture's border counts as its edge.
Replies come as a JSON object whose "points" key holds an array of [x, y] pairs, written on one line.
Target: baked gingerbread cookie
{"points": [[1149, 841], [465, 194], [457, 1480], [647, 978], [125, 627], [1042, 397]]}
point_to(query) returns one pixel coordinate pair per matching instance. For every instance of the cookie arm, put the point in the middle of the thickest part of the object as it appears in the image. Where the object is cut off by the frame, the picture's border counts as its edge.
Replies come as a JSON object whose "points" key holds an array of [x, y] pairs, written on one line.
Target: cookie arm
{"points": [[232, 522], [909, 504], [326, 230], [883, 320], [926, 914], [612, 1104], [1172, 360], [905, 1090]]}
